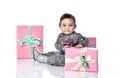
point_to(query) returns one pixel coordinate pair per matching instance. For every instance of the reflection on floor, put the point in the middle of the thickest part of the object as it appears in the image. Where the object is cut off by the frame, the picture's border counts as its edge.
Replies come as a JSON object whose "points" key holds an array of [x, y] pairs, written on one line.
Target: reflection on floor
{"points": [[27, 68]]}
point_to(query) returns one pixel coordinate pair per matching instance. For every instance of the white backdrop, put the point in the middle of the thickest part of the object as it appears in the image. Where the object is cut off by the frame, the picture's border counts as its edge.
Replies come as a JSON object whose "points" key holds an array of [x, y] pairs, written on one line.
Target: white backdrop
{"points": [[94, 18]]}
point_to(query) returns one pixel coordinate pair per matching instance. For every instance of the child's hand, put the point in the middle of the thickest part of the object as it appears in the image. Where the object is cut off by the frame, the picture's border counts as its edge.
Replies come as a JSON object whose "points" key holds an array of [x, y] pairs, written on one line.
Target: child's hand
{"points": [[78, 46], [66, 46]]}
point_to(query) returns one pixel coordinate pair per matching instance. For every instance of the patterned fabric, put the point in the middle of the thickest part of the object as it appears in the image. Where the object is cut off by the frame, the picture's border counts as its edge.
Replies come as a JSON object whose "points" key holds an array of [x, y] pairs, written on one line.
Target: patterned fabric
{"points": [[58, 60], [51, 58], [71, 39]]}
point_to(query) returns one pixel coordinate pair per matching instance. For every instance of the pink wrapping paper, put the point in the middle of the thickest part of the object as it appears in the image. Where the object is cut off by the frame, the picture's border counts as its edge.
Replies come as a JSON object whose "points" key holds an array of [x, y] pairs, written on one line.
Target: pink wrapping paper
{"points": [[92, 42], [36, 32], [73, 59]]}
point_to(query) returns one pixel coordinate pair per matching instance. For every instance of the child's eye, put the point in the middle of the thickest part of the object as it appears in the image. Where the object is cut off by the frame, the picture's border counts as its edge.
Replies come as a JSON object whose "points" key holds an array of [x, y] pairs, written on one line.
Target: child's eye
{"points": [[70, 25], [64, 25]]}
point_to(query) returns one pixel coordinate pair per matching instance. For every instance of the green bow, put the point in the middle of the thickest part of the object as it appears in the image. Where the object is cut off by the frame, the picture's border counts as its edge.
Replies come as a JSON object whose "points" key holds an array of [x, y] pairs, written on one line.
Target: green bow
{"points": [[29, 41]]}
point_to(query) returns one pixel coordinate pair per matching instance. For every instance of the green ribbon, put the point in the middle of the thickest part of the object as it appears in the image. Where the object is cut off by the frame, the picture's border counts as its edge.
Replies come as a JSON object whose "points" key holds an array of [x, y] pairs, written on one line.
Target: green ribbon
{"points": [[28, 40], [85, 63]]}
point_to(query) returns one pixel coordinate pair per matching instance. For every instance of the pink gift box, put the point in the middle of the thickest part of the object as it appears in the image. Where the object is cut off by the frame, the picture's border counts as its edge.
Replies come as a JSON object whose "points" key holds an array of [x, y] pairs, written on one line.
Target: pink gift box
{"points": [[27, 38], [92, 42], [81, 59]]}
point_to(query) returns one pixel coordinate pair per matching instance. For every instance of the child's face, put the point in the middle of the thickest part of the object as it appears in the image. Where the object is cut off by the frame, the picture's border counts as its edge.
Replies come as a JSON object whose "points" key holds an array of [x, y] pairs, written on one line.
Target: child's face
{"points": [[67, 26]]}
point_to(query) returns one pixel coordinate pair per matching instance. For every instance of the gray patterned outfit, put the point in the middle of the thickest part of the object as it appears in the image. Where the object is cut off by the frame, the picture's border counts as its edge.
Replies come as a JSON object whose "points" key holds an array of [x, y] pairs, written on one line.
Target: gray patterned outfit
{"points": [[58, 58]]}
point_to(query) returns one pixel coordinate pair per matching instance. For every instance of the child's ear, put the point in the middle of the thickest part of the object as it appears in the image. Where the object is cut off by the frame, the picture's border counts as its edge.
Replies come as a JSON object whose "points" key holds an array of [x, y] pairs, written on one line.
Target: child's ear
{"points": [[59, 26], [75, 26]]}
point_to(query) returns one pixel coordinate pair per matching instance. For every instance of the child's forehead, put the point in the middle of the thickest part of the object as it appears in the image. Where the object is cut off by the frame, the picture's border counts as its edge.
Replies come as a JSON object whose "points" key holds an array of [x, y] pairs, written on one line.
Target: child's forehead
{"points": [[67, 20]]}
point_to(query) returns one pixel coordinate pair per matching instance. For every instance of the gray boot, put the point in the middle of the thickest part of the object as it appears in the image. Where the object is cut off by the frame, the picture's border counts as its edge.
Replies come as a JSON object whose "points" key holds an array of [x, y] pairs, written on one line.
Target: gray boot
{"points": [[37, 56], [35, 53]]}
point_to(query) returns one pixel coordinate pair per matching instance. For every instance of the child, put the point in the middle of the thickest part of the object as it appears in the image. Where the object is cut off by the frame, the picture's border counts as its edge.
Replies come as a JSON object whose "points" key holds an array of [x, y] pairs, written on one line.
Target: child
{"points": [[68, 38]]}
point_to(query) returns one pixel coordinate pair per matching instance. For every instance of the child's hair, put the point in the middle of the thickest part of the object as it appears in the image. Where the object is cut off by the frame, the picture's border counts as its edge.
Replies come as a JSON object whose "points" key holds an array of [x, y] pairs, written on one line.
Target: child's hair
{"points": [[67, 15]]}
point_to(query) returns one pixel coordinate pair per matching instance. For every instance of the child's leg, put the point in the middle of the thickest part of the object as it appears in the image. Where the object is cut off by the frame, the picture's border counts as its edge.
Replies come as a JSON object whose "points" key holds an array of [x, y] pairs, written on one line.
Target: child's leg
{"points": [[52, 58], [36, 53], [42, 58], [52, 53], [57, 60]]}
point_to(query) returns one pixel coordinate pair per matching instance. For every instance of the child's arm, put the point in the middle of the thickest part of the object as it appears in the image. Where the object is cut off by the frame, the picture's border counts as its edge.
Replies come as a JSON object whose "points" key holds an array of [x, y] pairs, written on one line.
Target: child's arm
{"points": [[58, 45], [83, 41]]}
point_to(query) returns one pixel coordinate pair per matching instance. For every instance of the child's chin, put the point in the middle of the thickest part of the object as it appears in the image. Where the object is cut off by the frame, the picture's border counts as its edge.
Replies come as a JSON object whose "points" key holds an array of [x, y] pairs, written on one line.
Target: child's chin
{"points": [[67, 33]]}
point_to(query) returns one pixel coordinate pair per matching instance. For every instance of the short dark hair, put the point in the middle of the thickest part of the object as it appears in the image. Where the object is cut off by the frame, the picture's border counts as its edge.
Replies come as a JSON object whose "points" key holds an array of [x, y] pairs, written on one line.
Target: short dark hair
{"points": [[67, 15]]}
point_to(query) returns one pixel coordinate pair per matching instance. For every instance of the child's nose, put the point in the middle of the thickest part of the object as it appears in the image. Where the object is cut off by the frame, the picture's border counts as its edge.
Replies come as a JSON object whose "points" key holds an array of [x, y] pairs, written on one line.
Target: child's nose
{"points": [[67, 27]]}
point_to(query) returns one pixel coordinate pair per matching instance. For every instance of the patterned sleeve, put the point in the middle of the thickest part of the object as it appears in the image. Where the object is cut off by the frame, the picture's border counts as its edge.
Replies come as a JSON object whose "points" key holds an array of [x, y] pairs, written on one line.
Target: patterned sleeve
{"points": [[82, 40], [58, 45]]}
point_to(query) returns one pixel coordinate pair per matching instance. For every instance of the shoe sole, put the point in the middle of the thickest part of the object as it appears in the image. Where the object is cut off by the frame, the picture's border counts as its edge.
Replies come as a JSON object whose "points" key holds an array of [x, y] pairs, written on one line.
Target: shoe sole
{"points": [[34, 54]]}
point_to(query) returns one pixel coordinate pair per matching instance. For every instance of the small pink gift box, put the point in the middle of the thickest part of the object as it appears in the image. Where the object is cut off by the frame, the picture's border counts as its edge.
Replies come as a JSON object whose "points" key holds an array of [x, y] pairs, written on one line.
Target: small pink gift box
{"points": [[92, 42], [81, 59], [27, 38]]}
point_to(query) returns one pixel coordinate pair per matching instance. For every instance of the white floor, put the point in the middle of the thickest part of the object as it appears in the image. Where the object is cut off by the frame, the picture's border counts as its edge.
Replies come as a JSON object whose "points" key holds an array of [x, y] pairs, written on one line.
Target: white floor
{"points": [[27, 68]]}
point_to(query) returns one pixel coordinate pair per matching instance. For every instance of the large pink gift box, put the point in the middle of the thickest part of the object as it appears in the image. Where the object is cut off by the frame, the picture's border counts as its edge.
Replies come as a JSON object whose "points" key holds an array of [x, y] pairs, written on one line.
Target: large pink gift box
{"points": [[81, 59], [27, 38]]}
